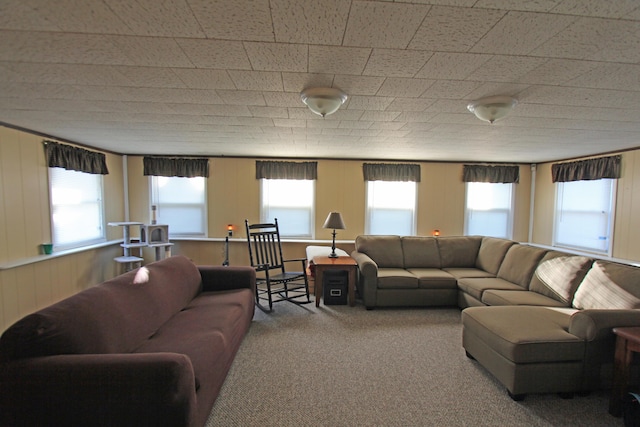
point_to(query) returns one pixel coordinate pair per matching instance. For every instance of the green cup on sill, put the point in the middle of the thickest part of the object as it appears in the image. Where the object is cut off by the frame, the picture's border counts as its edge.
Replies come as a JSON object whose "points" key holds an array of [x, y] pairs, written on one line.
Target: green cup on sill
{"points": [[47, 248]]}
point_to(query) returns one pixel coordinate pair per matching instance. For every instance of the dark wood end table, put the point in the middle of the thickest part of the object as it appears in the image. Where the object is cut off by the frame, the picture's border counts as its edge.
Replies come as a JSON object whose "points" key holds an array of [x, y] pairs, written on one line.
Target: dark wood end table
{"points": [[323, 263], [627, 343]]}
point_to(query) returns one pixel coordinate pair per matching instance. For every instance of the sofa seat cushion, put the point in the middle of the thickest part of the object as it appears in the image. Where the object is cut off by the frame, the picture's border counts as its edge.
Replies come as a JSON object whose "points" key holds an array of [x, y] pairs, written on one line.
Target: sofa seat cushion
{"points": [[521, 297], [475, 286], [462, 272], [525, 334], [396, 278], [433, 278]]}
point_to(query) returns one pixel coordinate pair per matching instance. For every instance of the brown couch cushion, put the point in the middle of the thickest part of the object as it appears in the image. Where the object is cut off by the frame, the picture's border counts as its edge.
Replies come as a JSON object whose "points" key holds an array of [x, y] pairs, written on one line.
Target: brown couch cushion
{"points": [[519, 264], [599, 290], [520, 297], [420, 252], [434, 278], [475, 286], [385, 251], [113, 317], [558, 277], [491, 253], [458, 251], [396, 278]]}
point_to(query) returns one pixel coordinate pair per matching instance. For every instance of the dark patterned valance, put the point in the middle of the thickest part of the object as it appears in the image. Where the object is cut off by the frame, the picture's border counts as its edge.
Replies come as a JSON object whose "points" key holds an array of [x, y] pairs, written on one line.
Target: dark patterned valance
{"points": [[491, 173], [286, 170], [585, 170], [391, 172], [74, 158], [176, 166]]}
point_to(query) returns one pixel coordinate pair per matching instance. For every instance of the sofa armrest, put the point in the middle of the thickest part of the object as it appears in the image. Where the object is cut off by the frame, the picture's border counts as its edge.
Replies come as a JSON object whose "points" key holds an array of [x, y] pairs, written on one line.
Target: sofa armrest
{"points": [[218, 278], [107, 389], [368, 277], [597, 324]]}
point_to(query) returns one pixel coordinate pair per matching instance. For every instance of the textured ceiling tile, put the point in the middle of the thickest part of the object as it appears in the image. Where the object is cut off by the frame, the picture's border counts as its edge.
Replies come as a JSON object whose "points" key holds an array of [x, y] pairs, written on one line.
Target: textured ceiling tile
{"points": [[490, 89], [169, 18], [63, 74], [380, 116], [454, 29], [215, 54], [234, 20], [272, 112], [153, 52], [204, 78], [212, 110], [296, 82], [453, 89], [610, 76], [287, 99], [337, 60], [538, 27], [60, 48], [557, 71], [410, 104], [599, 8], [396, 62], [277, 57], [241, 97], [257, 80], [383, 24], [27, 15], [453, 66], [403, 87], [369, 103], [313, 22], [506, 68], [150, 77], [358, 85], [530, 5], [555, 95]]}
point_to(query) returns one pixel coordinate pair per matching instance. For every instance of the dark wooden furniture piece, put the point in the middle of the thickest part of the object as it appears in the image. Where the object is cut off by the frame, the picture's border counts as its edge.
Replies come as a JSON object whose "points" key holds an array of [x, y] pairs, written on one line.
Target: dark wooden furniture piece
{"points": [[323, 263], [627, 343], [273, 282]]}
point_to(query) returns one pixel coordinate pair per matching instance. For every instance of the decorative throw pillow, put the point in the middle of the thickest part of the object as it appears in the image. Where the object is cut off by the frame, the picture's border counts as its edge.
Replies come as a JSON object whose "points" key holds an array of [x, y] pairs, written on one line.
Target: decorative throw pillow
{"points": [[597, 290], [560, 274]]}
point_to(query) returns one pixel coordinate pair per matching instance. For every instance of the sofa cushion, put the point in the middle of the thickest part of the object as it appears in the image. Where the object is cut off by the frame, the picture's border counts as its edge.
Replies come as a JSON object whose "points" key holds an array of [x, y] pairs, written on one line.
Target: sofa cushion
{"points": [[458, 251], [519, 264], [385, 251], [396, 278], [491, 253], [598, 290], [420, 252], [476, 286], [433, 278], [525, 334], [521, 297], [117, 315], [558, 277], [462, 272]]}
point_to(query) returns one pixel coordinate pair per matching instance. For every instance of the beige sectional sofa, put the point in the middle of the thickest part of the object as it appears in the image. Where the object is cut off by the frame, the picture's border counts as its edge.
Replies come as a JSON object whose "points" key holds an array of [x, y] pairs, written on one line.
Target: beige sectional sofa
{"points": [[539, 320]]}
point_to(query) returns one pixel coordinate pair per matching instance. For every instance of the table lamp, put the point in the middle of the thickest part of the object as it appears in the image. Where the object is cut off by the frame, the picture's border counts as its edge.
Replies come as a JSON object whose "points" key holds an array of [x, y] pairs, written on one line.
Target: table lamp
{"points": [[334, 220]]}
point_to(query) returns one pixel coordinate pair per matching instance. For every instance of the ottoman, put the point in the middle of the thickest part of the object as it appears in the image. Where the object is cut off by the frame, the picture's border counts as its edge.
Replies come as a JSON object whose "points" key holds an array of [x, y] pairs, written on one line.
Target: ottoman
{"points": [[527, 348]]}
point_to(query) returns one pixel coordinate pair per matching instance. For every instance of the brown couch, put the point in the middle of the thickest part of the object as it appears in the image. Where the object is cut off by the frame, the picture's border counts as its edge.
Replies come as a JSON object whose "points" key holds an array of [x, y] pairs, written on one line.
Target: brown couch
{"points": [[128, 354], [539, 320]]}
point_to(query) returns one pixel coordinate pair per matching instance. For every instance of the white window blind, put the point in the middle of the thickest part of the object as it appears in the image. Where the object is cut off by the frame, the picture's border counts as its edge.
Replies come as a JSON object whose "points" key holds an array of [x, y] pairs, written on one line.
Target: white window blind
{"points": [[391, 208], [489, 209], [77, 213], [584, 213], [181, 204], [292, 201]]}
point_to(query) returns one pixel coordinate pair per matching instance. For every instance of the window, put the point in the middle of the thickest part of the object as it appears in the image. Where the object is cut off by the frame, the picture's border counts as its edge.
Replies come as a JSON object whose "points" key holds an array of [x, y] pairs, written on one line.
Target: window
{"points": [[181, 204], [292, 202], [584, 212], [391, 208], [489, 209], [77, 213]]}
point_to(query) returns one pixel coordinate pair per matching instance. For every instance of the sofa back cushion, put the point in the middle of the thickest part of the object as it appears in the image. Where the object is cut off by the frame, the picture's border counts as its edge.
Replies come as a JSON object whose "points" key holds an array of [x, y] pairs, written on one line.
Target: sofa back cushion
{"points": [[458, 251], [385, 251], [558, 275], [420, 252], [519, 264], [609, 285], [113, 317], [491, 253]]}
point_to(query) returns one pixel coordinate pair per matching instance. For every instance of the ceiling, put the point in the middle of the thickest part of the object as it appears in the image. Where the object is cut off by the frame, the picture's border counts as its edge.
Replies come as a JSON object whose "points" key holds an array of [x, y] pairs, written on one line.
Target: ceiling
{"points": [[223, 77]]}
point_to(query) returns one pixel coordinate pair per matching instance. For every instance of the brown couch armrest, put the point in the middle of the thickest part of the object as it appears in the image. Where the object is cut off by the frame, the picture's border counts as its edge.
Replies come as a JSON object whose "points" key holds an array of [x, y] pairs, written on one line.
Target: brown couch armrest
{"points": [[107, 389], [597, 324], [368, 277], [218, 278]]}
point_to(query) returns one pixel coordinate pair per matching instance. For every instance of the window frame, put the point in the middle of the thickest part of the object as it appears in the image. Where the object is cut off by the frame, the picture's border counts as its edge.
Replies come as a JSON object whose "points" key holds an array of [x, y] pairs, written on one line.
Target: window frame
{"points": [[368, 214], [610, 225], [511, 211], [153, 199], [266, 218], [52, 210]]}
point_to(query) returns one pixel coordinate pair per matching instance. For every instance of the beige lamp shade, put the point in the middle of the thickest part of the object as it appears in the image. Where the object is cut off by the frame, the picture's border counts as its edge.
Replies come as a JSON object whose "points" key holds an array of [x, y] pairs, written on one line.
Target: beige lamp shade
{"points": [[334, 220]]}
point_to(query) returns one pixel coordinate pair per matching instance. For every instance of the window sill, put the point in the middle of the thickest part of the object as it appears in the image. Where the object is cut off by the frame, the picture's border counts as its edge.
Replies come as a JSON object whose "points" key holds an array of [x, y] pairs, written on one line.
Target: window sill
{"points": [[32, 260]]}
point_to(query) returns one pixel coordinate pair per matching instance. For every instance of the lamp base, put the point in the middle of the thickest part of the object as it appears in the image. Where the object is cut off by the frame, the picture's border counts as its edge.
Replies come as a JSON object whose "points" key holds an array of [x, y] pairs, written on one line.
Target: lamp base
{"points": [[333, 255]]}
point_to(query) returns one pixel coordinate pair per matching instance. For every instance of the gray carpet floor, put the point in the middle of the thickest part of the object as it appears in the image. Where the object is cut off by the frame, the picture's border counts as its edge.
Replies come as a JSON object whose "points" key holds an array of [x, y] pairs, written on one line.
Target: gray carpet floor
{"points": [[346, 366]]}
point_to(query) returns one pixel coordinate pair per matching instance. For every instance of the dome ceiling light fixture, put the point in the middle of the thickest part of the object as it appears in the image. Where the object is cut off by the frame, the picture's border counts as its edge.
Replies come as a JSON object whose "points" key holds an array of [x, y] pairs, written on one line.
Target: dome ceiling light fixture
{"points": [[323, 100], [492, 108]]}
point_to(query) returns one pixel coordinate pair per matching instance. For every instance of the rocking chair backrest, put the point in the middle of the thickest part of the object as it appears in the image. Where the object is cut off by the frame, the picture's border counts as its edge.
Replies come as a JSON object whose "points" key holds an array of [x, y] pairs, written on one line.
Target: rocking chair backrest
{"points": [[265, 251]]}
